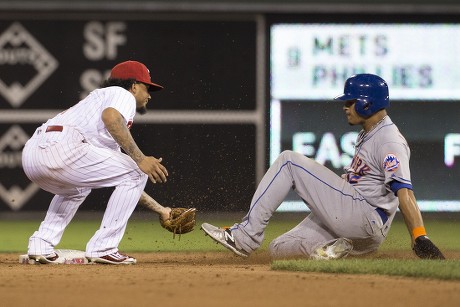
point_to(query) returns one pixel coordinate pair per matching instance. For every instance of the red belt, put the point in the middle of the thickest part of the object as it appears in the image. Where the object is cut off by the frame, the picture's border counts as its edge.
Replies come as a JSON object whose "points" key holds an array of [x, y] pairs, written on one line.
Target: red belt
{"points": [[54, 128]]}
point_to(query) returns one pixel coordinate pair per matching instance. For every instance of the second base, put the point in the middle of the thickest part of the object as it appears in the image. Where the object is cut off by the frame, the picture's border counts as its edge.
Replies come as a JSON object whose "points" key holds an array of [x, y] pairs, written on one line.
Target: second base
{"points": [[66, 256]]}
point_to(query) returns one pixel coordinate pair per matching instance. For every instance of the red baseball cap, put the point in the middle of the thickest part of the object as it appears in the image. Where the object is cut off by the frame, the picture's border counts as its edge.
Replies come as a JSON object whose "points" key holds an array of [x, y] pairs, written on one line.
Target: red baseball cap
{"points": [[134, 70]]}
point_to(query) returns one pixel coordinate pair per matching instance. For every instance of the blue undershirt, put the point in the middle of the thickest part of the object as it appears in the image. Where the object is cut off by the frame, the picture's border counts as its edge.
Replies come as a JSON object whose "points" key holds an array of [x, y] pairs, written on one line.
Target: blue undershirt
{"points": [[396, 185]]}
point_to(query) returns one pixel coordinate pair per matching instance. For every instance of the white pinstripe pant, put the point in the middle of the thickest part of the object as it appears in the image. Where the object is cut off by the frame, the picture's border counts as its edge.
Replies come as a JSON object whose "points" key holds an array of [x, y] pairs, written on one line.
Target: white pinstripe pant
{"points": [[64, 164]]}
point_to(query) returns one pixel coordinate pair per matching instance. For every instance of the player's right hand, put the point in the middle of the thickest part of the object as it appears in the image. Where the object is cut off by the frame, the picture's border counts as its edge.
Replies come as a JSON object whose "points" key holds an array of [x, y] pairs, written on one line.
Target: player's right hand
{"points": [[154, 169]]}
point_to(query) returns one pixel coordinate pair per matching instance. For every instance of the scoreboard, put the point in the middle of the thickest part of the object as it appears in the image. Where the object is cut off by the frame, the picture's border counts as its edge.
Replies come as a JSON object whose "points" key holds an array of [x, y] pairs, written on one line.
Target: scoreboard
{"points": [[309, 63]]}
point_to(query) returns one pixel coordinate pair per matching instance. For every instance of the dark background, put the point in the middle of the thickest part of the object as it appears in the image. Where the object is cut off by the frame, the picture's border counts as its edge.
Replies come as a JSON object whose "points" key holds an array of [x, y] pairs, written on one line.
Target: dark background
{"points": [[203, 65]]}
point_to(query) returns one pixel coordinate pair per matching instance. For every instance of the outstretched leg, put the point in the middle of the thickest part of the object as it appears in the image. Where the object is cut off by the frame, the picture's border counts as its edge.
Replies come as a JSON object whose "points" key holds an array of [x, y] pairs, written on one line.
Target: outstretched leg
{"points": [[61, 211], [331, 199]]}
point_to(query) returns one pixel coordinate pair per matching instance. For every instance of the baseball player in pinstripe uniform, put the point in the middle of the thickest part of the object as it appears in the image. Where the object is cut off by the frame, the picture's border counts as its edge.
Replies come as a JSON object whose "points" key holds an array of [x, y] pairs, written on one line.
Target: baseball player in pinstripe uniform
{"points": [[350, 214], [80, 149]]}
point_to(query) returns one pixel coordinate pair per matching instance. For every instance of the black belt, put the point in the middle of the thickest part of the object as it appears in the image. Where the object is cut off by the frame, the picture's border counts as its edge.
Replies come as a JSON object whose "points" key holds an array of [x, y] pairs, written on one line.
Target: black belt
{"points": [[54, 129], [382, 214]]}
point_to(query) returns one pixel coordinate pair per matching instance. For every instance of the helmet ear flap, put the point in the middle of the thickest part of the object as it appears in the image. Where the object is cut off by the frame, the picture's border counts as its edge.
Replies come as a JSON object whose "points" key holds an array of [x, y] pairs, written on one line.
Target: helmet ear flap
{"points": [[363, 107]]}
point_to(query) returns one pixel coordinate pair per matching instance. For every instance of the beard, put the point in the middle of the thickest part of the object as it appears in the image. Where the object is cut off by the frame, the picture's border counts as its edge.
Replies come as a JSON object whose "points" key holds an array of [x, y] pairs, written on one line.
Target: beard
{"points": [[141, 110]]}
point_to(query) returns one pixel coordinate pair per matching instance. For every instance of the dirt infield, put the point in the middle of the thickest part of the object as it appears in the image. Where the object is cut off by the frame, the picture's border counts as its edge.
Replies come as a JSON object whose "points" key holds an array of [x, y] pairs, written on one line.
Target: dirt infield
{"points": [[208, 279]]}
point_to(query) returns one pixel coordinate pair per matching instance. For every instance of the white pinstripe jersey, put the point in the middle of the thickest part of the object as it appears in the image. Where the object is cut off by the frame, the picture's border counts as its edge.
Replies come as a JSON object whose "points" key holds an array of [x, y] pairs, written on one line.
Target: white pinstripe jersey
{"points": [[85, 116]]}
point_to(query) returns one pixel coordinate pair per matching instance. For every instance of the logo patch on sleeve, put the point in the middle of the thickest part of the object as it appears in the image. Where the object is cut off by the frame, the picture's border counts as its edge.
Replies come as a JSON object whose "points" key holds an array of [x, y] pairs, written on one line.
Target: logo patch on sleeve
{"points": [[390, 163]]}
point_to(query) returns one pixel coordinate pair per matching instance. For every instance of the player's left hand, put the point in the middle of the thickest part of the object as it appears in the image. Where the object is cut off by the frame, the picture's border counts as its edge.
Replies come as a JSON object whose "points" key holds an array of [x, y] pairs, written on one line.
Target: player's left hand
{"points": [[180, 220], [425, 249]]}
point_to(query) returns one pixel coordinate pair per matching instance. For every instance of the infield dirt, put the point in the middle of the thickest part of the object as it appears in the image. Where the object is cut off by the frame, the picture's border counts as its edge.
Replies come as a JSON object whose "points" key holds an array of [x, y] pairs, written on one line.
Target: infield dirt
{"points": [[208, 279]]}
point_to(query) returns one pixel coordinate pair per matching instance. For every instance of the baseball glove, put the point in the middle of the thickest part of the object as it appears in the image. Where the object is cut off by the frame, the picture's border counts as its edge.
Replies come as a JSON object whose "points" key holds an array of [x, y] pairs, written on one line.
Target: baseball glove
{"points": [[426, 249], [180, 221]]}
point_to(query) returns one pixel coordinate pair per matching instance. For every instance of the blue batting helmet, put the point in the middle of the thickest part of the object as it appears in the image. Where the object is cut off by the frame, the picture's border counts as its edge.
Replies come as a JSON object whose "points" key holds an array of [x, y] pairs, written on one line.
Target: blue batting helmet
{"points": [[369, 91]]}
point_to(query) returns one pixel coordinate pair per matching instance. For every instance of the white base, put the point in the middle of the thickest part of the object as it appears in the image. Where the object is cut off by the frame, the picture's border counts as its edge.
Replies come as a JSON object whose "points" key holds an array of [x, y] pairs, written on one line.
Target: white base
{"points": [[70, 256]]}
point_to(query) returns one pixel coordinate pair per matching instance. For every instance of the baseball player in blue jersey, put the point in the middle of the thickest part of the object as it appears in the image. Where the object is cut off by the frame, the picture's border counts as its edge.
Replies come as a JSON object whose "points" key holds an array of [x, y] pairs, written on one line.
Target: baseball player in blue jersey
{"points": [[350, 214], [80, 149]]}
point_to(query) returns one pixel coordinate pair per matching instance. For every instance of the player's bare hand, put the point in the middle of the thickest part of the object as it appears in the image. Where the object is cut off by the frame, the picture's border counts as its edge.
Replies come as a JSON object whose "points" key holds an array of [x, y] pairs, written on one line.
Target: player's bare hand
{"points": [[165, 213], [154, 169]]}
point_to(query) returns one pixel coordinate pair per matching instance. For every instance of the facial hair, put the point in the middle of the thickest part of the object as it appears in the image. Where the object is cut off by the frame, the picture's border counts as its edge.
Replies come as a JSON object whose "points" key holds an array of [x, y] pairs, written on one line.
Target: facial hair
{"points": [[141, 110]]}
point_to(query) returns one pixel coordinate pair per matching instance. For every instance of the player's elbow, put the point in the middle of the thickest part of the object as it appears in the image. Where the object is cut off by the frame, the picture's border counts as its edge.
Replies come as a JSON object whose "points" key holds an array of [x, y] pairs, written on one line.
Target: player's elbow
{"points": [[110, 116]]}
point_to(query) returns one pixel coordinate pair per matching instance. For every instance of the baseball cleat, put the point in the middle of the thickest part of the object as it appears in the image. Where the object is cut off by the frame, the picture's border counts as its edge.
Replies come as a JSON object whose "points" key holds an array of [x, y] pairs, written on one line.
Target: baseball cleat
{"points": [[223, 236], [337, 249], [52, 258], [114, 258]]}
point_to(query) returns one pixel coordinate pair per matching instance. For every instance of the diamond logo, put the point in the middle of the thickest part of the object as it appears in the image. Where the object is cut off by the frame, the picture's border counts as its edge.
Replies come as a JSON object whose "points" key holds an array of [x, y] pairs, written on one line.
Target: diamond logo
{"points": [[14, 140], [28, 64]]}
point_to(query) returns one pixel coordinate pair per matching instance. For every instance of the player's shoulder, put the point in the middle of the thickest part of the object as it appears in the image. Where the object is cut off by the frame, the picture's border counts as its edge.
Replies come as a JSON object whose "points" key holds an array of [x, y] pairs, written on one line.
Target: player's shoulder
{"points": [[116, 92], [114, 89], [388, 128], [389, 132]]}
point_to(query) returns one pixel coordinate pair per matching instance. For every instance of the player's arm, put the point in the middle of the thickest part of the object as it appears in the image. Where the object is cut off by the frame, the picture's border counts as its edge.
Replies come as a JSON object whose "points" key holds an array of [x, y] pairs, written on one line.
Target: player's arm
{"points": [[421, 244], [115, 124], [411, 213], [177, 220], [151, 204]]}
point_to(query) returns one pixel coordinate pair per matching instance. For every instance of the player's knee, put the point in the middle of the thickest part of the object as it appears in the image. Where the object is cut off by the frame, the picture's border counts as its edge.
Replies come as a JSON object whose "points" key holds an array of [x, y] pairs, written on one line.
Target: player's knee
{"points": [[138, 179], [278, 249], [286, 155], [273, 249], [289, 155], [83, 193], [287, 246], [144, 178]]}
